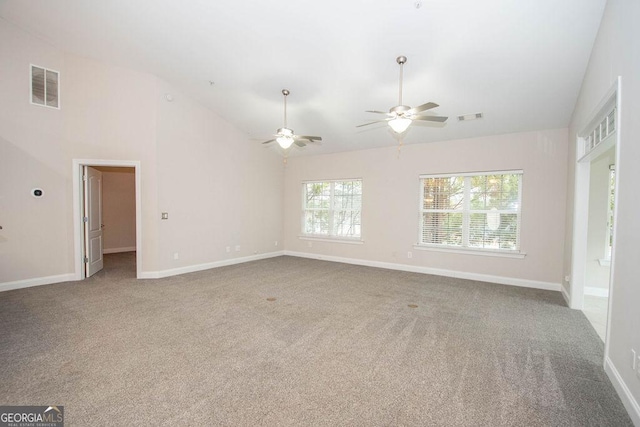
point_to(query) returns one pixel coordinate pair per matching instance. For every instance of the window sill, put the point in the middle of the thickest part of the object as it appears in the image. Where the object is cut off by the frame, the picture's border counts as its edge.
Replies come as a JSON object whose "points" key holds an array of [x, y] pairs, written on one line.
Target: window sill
{"points": [[354, 241], [604, 262], [470, 251]]}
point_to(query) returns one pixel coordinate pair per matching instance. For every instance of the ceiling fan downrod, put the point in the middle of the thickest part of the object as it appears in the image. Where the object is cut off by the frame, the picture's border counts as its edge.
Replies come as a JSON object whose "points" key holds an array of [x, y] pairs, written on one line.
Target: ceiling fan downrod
{"points": [[285, 92], [400, 60]]}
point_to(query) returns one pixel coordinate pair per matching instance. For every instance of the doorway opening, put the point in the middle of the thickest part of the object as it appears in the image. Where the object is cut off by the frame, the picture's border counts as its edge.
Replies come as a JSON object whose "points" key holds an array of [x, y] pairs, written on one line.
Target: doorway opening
{"points": [[599, 240], [107, 215], [593, 254]]}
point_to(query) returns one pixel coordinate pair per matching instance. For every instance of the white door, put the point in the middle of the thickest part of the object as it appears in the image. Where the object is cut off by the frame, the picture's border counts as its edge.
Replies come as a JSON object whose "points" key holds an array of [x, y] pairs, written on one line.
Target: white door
{"points": [[92, 179]]}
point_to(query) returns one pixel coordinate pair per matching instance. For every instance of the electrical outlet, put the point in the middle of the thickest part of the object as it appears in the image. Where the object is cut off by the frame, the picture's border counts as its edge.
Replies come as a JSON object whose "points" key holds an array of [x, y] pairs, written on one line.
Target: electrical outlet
{"points": [[165, 215], [276, 243], [409, 254], [309, 244], [567, 279], [228, 249], [237, 248], [176, 255]]}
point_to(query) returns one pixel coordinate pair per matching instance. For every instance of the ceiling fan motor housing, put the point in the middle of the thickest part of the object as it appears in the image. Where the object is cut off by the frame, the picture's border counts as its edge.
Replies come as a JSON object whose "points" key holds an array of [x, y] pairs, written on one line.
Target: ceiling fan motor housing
{"points": [[399, 109], [285, 132]]}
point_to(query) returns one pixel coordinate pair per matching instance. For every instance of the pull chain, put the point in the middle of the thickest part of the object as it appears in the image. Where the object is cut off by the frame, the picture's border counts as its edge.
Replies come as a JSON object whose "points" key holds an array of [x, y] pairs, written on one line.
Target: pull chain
{"points": [[399, 148]]}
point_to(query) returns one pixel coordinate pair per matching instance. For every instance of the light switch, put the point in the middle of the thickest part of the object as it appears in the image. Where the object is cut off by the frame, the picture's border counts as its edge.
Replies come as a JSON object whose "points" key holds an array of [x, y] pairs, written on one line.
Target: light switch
{"points": [[165, 215]]}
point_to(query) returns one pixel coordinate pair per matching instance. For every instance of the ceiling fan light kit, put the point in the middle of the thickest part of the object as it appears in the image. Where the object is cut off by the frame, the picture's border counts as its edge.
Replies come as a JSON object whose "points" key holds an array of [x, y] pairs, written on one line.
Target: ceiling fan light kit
{"points": [[400, 117], [285, 137], [399, 125]]}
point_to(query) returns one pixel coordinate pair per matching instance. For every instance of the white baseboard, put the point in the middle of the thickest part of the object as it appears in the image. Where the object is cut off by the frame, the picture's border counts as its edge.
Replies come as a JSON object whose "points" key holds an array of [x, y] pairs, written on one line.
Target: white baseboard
{"points": [[118, 250], [38, 281], [630, 404], [436, 271], [199, 267], [596, 292], [565, 295]]}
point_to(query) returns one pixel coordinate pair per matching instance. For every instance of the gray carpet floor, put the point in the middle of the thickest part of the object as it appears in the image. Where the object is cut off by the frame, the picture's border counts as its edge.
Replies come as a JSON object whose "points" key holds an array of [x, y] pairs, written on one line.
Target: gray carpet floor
{"points": [[292, 341]]}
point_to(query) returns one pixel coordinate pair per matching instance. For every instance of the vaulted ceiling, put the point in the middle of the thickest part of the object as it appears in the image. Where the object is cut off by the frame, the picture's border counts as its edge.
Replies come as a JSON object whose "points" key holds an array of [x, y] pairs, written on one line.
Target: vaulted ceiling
{"points": [[519, 62]]}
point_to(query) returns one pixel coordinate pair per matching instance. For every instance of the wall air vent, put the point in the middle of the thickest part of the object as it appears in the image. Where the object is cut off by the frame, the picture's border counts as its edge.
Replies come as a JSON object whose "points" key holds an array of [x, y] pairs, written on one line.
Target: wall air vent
{"points": [[45, 87], [468, 117]]}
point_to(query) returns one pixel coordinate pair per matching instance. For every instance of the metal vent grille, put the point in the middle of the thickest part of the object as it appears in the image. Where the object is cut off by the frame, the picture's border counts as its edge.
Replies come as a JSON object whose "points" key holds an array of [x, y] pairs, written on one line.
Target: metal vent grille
{"points": [[468, 117], [45, 87]]}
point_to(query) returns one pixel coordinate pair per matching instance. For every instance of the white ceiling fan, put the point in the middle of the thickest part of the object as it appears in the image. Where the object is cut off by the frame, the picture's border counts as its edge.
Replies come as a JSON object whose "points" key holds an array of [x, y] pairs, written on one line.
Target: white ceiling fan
{"points": [[401, 116], [285, 136]]}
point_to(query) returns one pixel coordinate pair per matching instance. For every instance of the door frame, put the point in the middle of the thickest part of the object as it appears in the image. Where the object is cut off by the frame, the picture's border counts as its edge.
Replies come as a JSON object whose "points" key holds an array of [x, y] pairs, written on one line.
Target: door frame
{"points": [[581, 204], [78, 206]]}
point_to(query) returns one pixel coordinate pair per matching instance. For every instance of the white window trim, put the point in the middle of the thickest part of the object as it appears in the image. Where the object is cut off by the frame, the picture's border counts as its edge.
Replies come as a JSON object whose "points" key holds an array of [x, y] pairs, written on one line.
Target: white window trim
{"points": [[505, 253], [331, 238], [45, 87]]}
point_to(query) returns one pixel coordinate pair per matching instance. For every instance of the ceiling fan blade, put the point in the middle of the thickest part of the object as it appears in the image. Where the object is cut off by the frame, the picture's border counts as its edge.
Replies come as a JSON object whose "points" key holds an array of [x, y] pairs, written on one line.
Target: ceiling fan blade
{"points": [[371, 123], [423, 107], [269, 141], [308, 138], [378, 112], [300, 143], [440, 119]]}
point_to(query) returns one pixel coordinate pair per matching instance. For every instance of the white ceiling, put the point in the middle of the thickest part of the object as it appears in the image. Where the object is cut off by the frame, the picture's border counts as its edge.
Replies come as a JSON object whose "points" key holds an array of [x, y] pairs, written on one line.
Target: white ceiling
{"points": [[520, 62]]}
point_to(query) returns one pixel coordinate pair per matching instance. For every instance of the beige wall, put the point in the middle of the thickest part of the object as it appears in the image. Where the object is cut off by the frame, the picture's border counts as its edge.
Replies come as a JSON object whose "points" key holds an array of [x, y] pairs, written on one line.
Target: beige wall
{"points": [[118, 208], [390, 201], [119, 114], [615, 53], [33, 241], [219, 189]]}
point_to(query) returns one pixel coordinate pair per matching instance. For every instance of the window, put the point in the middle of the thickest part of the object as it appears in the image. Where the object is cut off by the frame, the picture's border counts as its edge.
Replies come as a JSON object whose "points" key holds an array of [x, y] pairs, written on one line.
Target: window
{"points": [[601, 131], [45, 87], [332, 209], [474, 211]]}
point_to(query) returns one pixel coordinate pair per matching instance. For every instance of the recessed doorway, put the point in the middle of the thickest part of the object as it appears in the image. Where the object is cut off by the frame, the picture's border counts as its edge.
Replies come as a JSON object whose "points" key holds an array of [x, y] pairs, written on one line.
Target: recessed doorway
{"points": [[594, 211]]}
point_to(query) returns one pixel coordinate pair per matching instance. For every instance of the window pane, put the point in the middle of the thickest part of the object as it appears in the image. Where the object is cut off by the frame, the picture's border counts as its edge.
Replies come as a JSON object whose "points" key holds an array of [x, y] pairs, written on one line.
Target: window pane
{"points": [[317, 222], [346, 223], [318, 195], [37, 85], [510, 191], [443, 228], [612, 121], [443, 193], [507, 234], [478, 192], [477, 230], [494, 192], [493, 230]]}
